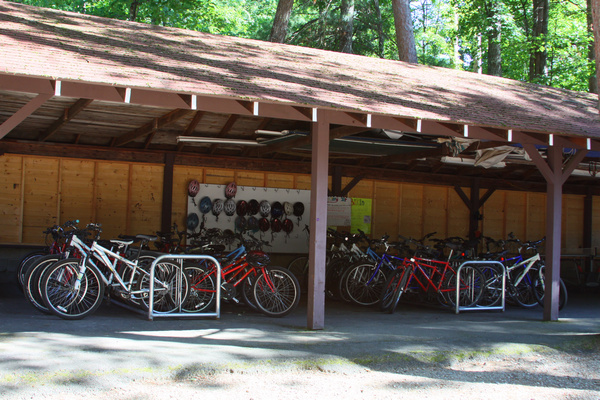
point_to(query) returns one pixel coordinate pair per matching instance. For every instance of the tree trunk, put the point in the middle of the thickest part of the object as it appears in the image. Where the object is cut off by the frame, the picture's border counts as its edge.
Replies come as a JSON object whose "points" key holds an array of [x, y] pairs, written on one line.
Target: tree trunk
{"points": [[281, 21], [537, 65], [593, 81], [380, 34], [405, 36], [494, 40], [346, 25], [133, 9]]}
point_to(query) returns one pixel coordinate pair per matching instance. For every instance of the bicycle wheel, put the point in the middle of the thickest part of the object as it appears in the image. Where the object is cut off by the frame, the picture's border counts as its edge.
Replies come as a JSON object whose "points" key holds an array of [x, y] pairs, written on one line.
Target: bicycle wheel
{"points": [[470, 290], [539, 289], [299, 267], [68, 297], [203, 289], [492, 293], [393, 289], [26, 263], [248, 291], [363, 284], [31, 283], [171, 288], [522, 293], [276, 291]]}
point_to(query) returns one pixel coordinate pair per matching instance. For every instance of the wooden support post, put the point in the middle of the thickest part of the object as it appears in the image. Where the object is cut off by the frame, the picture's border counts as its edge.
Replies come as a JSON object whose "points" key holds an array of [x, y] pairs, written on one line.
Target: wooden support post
{"points": [[167, 198], [318, 224], [474, 214], [553, 234], [588, 207], [336, 181], [555, 176]]}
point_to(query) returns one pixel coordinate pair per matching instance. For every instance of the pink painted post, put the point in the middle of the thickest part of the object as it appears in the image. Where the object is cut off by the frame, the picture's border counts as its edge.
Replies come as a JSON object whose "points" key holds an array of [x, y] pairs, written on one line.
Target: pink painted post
{"points": [[553, 233], [318, 224]]}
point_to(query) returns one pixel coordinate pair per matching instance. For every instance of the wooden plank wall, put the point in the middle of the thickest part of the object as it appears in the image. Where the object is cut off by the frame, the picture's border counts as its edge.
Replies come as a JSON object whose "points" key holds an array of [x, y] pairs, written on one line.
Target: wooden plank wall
{"points": [[37, 192]]}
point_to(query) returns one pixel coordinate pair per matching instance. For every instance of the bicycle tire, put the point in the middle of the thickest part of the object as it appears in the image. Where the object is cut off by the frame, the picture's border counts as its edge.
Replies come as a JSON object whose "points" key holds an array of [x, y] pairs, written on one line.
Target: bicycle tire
{"points": [[25, 264], [59, 292], [393, 289], [31, 284], [492, 294], [363, 283], [170, 291], [248, 291], [276, 291], [203, 289], [471, 288], [299, 267], [523, 293], [539, 289]]}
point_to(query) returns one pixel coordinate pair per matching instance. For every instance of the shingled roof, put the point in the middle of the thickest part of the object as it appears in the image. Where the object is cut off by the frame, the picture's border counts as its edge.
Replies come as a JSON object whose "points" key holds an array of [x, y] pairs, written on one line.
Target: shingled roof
{"points": [[38, 42]]}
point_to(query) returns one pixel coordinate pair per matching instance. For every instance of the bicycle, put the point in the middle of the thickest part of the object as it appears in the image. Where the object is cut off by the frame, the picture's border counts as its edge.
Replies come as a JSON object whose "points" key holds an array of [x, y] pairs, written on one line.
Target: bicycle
{"points": [[274, 291], [74, 288]]}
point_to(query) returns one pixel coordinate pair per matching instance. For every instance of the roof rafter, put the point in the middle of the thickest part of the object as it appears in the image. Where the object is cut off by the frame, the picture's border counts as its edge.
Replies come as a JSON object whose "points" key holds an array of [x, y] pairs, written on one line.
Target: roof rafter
{"points": [[68, 115], [152, 126]]}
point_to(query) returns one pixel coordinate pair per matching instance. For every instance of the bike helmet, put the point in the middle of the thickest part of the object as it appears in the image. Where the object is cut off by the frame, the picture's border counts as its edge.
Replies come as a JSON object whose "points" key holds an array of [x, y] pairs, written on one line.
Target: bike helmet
{"points": [[288, 226], [265, 208], [240, 223], [253, 207], [229, 207], [193, 188], [288, 208], [217, 207], [298, 209], [276, 225], [264, 225], [230, 190], [242, 208], [192, 221], [205, 205], [253, 224], [276, 210]]}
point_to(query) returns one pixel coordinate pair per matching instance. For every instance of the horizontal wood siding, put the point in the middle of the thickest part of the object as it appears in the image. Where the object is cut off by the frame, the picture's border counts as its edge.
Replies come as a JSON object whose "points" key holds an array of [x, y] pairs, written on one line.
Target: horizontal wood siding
{"points": [[11, 199]]}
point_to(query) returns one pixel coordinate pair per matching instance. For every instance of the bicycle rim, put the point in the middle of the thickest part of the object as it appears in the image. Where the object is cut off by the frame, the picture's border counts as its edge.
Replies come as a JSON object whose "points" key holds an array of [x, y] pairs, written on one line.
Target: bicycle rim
{"points": [[61, 295], [276, 292]]}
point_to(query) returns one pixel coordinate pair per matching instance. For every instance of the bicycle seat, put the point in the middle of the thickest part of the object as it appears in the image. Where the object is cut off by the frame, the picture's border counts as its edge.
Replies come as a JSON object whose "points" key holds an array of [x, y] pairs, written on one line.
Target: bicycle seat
{"points": [[121, 243], [146, 237]]}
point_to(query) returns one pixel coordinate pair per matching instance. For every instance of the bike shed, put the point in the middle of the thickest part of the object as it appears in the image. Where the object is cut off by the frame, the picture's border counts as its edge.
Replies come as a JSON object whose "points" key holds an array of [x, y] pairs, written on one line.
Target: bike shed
{"points": [[84, 87]]}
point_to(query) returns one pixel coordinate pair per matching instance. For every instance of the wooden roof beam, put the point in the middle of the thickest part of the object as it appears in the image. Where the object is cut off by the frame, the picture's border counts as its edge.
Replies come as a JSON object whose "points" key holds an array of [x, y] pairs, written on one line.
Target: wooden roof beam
{"points": [[224, 131], [152, 126], [67, 116], [190, 128], [23, 113]]}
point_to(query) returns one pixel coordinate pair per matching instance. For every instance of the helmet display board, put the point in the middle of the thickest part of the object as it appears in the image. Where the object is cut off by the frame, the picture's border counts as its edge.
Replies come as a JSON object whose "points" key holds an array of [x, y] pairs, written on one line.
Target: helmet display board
{"points": [[269, 214]]}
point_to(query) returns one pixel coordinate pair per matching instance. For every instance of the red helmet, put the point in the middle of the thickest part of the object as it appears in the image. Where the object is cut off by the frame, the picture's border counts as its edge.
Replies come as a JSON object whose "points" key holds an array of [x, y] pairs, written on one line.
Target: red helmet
{"points": [[193, 188], [230, 190]]}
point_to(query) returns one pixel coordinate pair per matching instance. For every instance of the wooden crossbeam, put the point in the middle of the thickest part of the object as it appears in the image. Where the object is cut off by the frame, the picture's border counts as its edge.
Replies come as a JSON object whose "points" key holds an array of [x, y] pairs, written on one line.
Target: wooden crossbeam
{"points": [[67, 116], [151, 126]]}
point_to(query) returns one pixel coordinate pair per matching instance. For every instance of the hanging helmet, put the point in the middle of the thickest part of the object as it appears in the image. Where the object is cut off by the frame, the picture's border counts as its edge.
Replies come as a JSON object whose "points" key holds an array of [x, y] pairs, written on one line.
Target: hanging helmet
{"points": [[205, 205], [253, 207], [288, 226], [193, 188], [230, 190], [276, 225], [240, 223], [242, 208], [229, 207], [192, 221], [265, 208], [288, 208], [253, 223], [298, 209], [276, 209], [264, 225], [217, 207]]}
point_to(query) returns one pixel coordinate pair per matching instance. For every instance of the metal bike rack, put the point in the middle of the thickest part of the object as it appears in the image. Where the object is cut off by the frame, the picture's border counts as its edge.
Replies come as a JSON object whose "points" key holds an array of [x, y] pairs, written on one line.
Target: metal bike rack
{"points": [[180, 314], [476, 307]]}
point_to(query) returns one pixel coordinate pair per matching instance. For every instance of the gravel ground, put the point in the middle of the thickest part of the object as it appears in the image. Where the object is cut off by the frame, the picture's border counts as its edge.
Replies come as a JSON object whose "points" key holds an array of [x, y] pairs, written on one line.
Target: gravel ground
{"points": [[415, 354]]}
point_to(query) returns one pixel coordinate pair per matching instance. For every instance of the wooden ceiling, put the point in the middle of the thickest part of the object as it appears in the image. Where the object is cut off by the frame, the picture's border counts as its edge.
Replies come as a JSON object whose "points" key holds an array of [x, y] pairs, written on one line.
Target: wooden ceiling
{"points": [[80, 127]]}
